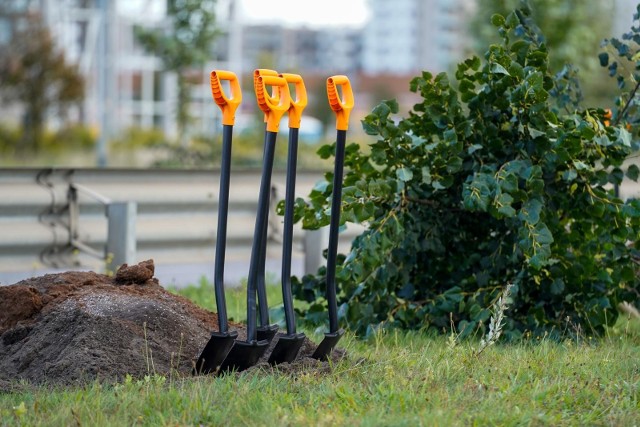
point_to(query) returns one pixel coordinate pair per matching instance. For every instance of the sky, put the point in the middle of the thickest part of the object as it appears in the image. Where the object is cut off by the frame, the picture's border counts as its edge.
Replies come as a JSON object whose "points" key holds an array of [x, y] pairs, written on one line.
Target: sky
{"points": [[312, 13]]}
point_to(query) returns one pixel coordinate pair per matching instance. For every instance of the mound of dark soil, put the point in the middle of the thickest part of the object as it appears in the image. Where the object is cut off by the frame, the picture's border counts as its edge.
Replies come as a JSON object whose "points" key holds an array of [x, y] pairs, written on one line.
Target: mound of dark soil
{"points": [[74, 327]]}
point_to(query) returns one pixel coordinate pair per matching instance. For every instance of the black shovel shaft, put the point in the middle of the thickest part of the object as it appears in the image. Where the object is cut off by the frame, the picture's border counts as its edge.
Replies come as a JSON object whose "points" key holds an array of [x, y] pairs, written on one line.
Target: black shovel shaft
{"points": [[334, 226], [287, 238], [221, 236], [261, 288], [259, 236]]}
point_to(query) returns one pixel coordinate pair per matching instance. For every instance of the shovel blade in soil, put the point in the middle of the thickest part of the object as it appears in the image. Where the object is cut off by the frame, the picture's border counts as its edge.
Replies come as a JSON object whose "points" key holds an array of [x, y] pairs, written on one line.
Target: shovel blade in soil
{"points": [[243, 355], [286, 349], [266, 333], [324, 349], [214, 352]]}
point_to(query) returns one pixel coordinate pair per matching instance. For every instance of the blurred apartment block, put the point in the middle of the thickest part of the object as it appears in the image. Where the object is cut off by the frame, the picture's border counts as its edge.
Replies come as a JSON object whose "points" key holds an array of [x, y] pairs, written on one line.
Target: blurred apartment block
{"points": [[127, 87]]}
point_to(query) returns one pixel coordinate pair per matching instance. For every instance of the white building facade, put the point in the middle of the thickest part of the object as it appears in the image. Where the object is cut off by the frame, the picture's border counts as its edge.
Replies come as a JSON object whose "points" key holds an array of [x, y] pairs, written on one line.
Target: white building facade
{"points": [[407, 36]]}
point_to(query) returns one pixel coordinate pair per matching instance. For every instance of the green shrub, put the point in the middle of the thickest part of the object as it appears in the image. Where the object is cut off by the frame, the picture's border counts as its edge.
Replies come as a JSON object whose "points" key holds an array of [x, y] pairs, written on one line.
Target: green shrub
{"points": [[137, 137], [246, 152], [9, 138], [70, 137], [499, 178], [73, 137]]}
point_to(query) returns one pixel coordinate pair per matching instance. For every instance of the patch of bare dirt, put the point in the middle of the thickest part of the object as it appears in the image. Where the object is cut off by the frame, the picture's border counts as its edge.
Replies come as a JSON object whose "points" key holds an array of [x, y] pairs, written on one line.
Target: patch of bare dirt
{"points": [[75, 327]]}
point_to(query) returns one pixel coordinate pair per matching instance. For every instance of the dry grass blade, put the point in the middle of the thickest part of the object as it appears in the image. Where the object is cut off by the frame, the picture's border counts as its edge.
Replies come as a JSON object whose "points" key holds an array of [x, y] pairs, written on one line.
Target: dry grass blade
{"points": [[497, 320]]}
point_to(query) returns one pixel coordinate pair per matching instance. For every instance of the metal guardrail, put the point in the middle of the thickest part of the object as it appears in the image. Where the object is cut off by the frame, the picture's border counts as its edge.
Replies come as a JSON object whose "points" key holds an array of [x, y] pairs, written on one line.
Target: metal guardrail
{"points": [[59, 219]]}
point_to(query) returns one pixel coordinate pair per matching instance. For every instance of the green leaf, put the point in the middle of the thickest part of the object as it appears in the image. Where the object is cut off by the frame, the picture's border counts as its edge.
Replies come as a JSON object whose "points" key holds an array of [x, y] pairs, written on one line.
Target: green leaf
{"points": [[516, 70], [507, 211], [536, 186], [503, 205], [450, 136], [557, 286], [426, 175], [404, 174], [437, 185], [362, 212], [477, 193], [520, 48], [579, 165], [497, 20], [499, 69], [541, 234], [393, 105], [465, 329], [417, 141], [455, 164], [624, 137], [534, 133], [530, 211], [381, 110], [569, 175], [326, 151], [604, 59], [466, 85], [508, 182], [596, 209], [375, 189], [321, 186], [536, 261], [474, 63], [602, 140], [632, 172], [369, 128], [473, 148]]}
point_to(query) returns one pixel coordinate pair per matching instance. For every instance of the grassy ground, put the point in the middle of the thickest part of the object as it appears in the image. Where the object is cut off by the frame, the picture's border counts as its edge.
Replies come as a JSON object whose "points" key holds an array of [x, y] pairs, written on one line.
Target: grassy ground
{"points": [[394, 379]]}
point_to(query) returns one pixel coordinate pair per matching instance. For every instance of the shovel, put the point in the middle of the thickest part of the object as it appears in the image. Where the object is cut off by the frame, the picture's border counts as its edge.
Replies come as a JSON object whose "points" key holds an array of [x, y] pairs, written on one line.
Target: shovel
{"points": [[245, 354], [221, 342], [289, 344], [265, 331], [342, 108]]}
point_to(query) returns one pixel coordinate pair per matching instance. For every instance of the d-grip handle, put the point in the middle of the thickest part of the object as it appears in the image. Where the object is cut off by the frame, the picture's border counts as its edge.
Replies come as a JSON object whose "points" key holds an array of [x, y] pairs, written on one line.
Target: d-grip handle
{"points": [[264, 72], [300, 102], [276, 105], [342, 107], [226, 104]]}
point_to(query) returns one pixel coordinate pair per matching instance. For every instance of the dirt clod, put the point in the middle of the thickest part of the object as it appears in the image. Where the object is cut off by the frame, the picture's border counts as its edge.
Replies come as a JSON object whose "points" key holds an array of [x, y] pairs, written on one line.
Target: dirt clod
{"points": [[74, 327], [138, 274]]}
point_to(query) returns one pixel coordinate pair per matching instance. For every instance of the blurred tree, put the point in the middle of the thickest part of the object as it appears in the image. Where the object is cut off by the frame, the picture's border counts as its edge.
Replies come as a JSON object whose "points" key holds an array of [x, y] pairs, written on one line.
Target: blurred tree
{"points": [[573, 30], [186, 45], [35, 73]]}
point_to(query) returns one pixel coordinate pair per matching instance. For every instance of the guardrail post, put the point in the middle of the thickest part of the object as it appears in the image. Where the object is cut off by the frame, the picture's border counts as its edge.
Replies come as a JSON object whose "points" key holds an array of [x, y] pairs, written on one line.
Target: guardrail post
{"points": [[315, 242], [121, 234]]}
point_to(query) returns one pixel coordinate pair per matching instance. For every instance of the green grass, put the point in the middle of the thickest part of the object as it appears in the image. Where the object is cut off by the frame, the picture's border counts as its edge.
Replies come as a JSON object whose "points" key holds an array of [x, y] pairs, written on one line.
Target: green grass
{"points": [[235, 298], [393, 379]]}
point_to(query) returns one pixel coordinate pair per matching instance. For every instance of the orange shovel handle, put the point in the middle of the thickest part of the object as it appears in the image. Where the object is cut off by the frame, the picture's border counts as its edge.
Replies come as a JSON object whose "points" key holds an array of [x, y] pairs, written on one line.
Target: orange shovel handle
{"points": [[300, 102], [275, 105], [226, 104], [263, 72], [342, 107]]}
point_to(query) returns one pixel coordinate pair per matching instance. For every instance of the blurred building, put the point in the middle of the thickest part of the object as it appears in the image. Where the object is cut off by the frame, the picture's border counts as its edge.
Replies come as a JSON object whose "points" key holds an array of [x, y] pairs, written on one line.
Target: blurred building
{"points": [[623, 16], [128, 87], [407, 36]]}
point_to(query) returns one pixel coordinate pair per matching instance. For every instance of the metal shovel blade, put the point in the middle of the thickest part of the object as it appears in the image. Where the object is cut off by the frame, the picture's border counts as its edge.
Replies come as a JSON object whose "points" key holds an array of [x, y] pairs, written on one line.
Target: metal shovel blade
{"points": [[324, 349], [266, 333], [286, 349], [243, 355], [214, 352]]}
